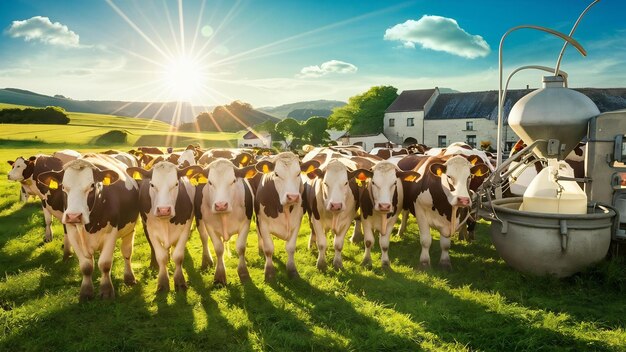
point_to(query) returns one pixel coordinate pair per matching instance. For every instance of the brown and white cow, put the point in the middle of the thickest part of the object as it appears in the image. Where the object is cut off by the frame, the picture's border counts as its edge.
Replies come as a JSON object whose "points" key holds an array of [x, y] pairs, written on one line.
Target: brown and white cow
{"points": [[436, 197], [278, 206], [224, 207], [26, 172], [101, 205], [331, 202], [381, 202], [166, 206], [240, 157]]}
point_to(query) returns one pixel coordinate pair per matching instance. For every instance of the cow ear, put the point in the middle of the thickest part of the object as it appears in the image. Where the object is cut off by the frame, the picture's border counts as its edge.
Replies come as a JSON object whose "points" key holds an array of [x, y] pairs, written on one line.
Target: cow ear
{"points": [[107, 177], [11, 162], [316, 173], [480, 170], [138, 173], [51, 179], [190, 171], [32, 158], [243, 159], [264, 166], [245, 172], [473, 159], [361, 174], [437, 169], [309, 166], [409, 176]]}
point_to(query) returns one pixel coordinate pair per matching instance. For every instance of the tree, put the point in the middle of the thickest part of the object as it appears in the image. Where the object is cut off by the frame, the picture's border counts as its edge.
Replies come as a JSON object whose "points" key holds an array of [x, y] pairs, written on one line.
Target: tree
{"points": [[270, 127], [364, 113], [315, 130], [290, 128]]}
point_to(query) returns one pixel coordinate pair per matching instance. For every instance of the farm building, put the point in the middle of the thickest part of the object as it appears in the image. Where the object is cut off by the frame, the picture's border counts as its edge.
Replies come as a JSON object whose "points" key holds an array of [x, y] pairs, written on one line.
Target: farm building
{"points": [[403, 121], [368, 141], [258, 139]]}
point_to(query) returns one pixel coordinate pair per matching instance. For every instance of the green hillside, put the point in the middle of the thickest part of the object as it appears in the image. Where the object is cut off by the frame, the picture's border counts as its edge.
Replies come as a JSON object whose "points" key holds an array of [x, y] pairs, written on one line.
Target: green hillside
{"points": [[283, 111], [85, 128]]}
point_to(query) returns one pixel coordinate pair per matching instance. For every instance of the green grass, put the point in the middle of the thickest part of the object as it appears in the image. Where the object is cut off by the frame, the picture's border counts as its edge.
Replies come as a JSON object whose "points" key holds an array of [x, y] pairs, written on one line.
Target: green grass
{"points": [[481, 305], [85, 127]]}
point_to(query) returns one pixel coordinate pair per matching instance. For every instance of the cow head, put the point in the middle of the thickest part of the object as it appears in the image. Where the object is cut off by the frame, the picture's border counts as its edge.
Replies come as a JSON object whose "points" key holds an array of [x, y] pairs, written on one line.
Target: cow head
{"points": [[21, 169], [163, 179], [285, 171], [187, 158], [384, 179], [81, 182], [222, 180], [455, 176]]}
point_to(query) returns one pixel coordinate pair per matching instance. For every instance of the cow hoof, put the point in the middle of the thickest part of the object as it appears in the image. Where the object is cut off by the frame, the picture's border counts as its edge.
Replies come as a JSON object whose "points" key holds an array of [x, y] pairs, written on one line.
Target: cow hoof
{"points": [[163, 288], [107, 292], [66, 256], [445, 266], [270, 274], [86, 295], [129, 279], [424, 266], [338, 265], [180, 286], [292, 273], [153, 264], [321, 266], [366, 263], [207, 262], [47, 240], [243, 273], [386, 265]]}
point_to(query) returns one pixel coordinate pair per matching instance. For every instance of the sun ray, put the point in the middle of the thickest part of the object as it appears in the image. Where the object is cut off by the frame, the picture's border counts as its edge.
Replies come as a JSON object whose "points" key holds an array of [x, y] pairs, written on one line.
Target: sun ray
{"points": [[198, 24], [171, 26], [226, 20], [136, 28], [181, 26], [148, 22]]}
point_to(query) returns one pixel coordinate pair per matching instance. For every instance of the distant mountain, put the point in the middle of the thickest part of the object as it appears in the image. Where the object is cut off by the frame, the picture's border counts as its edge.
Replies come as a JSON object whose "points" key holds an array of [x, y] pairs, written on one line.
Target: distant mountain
{"points": [[283, 111], [233, 117], [166, 111], [303, 114]]}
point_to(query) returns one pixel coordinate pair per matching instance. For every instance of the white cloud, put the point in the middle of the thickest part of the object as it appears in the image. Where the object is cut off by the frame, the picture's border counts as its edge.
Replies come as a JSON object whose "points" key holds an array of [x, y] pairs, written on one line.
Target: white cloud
{"points": [[42, 29], [332, 66], [440, 34]]}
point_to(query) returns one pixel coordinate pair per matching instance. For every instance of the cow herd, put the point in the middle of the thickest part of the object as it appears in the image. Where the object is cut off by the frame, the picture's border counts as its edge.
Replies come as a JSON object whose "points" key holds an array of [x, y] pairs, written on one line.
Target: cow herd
{"points": [[99, 198]]}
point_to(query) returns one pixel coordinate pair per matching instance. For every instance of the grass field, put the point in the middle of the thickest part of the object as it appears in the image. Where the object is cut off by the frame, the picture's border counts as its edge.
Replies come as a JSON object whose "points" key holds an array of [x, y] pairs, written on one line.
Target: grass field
{"points": [[481, 305], [84, 127]]}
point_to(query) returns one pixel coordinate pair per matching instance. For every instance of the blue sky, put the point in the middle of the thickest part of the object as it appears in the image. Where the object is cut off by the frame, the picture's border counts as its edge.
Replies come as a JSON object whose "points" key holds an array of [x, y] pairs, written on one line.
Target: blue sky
{"points": [[275, 52]]}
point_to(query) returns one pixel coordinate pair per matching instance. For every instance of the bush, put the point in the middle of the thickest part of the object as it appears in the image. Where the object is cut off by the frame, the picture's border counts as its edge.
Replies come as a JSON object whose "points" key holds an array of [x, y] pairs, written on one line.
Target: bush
{"points": [[50, 115], [111, 137]]}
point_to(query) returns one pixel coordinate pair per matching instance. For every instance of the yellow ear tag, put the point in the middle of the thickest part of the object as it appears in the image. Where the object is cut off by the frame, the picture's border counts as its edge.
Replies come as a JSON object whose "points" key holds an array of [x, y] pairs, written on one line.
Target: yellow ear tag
{"points": [[439, 172], [359, 182], [189, 173], [478, 173], [194, 181], [137, 175], [410, 178], [250, 173], [473, 161], [201, 179], [266, 169], [309, 169], [244, 160], [106, 181], [53, 184]]}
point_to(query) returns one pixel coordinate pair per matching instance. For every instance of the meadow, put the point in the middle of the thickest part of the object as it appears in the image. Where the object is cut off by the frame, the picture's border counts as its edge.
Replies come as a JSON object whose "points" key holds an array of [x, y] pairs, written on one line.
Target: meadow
{"points": [[481, 304]]}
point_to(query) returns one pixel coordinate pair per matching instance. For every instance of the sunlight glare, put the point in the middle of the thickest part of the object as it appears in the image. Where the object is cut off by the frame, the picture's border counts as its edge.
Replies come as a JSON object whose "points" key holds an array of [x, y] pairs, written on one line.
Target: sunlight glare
{"points": [[184, 78]]}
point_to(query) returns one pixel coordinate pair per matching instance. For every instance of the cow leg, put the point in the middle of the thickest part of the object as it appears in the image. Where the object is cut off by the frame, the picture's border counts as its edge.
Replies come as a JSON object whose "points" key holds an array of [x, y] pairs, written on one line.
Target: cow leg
{"points": [[471, 228], [242, 239], [23, 195], [48, 220], [105, 262], [220, 268], [444, 242], [290, 248], [207, 260], [313, 235], [67, 246], [357, 236], [369, 242], [162, 257], [153, 259], [383, 241], [425, 240], [178, 256], [86, 265], [338, 244], [463, 234], [268, 250], [403, 220], [317, 229], [128, 242]]}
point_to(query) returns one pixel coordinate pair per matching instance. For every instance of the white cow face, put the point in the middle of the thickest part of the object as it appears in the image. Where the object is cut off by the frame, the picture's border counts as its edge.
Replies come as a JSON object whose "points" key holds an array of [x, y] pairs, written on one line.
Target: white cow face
{"points": [[164, 178], [17, 168], [285, 172], [222, 179], [187, 158], [80, 181], [385, 178], [455, 177]]}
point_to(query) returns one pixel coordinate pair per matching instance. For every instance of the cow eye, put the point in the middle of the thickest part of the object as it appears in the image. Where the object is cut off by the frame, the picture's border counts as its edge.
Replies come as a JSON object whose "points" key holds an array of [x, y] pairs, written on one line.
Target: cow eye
{"points": [[276, 173], [235, 180], [374, 184], [176, 185], [151, 184], [346, 183], [210, 183]]}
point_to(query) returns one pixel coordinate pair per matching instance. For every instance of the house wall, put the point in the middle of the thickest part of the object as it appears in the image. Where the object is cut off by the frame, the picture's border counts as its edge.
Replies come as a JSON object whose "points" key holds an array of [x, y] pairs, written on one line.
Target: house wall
{"points": [[255, 142], [401, 131], [368, 141], [455, 131]]}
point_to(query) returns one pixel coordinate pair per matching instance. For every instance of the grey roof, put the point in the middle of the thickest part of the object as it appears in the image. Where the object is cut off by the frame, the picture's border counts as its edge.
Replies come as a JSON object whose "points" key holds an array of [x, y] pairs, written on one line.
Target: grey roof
{"points": [[485, 104], [411, 100]]}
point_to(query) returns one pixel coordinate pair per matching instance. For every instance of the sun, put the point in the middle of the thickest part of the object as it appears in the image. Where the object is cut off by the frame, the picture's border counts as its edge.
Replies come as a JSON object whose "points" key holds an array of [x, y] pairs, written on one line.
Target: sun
{"points": [[184, 78]]}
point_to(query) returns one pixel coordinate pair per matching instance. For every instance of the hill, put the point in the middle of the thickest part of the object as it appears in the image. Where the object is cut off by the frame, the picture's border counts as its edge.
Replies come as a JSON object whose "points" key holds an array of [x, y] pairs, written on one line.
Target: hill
{"points": [[162, 111], [233, 117], [283, 111]]}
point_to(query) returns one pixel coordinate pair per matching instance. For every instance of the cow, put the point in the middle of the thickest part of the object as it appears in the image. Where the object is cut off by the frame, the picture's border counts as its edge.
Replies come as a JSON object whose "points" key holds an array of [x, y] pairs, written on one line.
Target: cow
{"points": [[241, 157], [386, 153], [331, 202], [278, 206], [166, 207], [187, 158], [381, 202], [436, 197], [66, 155], [101, 205], [224, 206], [26, 172]]}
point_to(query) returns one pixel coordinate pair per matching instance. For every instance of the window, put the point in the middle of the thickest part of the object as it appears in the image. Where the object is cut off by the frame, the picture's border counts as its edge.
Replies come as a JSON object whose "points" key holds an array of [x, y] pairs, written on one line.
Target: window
{"points": [[441, 141], [409, 122], [471, 140], [469, 125], [392, 122]]}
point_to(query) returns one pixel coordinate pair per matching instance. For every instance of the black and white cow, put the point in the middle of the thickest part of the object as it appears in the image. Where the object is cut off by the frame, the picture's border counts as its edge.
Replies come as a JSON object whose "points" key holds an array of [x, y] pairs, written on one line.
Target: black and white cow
{"points": [[101, 205]]}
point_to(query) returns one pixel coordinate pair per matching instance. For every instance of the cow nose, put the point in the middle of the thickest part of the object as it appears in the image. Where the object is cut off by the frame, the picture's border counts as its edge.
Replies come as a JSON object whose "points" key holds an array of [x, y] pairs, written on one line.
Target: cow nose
{"points": [[384, 206], [291, 197], [221, 206], [164, 211], [73, 218], [336, 206], [463, 201]]}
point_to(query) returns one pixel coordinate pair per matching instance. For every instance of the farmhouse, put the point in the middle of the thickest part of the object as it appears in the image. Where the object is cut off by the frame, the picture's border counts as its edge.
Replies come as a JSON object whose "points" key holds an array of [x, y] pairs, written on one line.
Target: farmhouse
{"points": [[255, 139], [438, 119]]}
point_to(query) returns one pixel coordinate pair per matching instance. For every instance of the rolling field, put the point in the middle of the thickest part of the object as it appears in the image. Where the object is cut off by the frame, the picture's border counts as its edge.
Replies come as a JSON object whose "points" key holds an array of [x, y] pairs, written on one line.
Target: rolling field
{"points": [[480, 305], [85, 127]]}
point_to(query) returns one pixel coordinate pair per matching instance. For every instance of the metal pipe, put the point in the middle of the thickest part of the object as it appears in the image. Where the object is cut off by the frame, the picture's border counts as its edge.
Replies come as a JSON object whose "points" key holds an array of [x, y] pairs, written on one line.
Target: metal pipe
{"points": [[571, 33], [536, 67], [500, 102]]}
